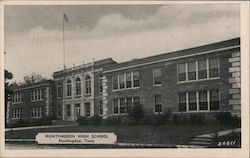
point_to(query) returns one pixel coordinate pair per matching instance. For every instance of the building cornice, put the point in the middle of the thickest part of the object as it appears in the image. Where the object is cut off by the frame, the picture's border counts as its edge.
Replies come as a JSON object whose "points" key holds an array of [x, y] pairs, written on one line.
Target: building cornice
{"points": [[173, 58]]}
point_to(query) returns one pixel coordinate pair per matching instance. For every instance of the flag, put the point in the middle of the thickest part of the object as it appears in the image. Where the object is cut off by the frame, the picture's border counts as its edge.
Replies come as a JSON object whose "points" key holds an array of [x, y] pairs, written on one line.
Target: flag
{"points": [[65, 17]]}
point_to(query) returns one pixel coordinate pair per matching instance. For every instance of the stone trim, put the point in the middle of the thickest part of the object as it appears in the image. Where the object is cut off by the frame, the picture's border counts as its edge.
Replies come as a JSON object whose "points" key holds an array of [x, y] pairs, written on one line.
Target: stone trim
{"points": [[234, 82]]}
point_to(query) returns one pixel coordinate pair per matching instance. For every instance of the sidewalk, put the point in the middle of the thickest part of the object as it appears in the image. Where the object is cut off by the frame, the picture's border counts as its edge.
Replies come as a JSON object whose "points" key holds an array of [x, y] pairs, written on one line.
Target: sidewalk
{"points": [[35, 127]]}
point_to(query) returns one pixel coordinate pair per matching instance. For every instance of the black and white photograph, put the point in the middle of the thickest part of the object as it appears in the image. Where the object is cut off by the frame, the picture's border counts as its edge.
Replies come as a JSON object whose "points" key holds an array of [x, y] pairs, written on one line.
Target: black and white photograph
{"points": [[123, 76]]}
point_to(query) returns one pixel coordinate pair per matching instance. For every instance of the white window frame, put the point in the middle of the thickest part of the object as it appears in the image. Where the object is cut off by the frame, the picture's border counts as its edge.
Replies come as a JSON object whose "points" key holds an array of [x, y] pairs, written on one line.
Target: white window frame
{"points": [[36, 112], [197, 78], [157, 104], [197, 102], [78, 85], [157, 76], [37, 95], [57, 91]]}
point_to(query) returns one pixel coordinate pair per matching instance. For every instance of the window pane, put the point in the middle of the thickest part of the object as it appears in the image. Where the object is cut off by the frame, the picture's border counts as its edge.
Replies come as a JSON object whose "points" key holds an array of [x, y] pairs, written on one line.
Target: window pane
{"points": [[182, 97], [129, 104], [157, 103], [192, 71], [182, 102], [115, 106], [157, 99], [181, 68], [203, 105], [214, 100], [202, 69], [136, 77], [101, 107], [192, 103], [122, 106], [128, 80], [213, 67], [136, 100], [121, 80], [157, 72], [157, 76], [213, 63], [115, 81]]}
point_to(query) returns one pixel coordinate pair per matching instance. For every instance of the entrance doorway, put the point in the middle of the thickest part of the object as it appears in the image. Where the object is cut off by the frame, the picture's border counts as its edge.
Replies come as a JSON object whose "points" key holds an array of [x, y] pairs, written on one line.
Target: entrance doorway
{"points": [[87, 109], [77, 111]]}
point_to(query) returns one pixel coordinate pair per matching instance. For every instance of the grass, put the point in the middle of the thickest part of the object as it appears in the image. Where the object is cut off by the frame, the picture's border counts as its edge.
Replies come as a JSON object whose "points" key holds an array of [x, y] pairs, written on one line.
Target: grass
{"points": [[167, 134]]}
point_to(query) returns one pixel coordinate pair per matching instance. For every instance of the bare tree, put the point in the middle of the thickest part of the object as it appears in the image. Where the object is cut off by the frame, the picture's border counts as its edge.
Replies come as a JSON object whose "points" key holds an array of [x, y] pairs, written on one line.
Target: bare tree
{"points": [[33, 78]]}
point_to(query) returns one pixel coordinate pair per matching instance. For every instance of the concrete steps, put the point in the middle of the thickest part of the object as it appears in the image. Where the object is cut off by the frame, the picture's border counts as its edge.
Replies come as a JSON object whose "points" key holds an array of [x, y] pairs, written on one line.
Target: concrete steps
{"points": [[201, 141]]}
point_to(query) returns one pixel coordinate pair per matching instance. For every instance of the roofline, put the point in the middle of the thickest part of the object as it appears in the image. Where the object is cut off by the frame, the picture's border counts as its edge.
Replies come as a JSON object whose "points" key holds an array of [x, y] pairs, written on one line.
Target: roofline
{"points": [[173, 58], [35, 85]]}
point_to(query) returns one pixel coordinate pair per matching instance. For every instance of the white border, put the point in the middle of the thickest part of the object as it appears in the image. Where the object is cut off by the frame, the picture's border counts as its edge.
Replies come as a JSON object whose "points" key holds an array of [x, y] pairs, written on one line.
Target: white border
{"points": [[243, 152]]}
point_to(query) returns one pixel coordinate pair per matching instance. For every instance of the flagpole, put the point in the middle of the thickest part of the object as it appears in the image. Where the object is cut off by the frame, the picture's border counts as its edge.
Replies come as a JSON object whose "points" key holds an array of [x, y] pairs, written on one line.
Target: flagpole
{"points": [[63, 44], [64, 86]]}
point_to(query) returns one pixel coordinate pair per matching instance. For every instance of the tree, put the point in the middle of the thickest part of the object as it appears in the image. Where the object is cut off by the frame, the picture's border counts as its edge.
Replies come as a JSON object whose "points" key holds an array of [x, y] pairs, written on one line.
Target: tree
{"points": [[33, 78], [7, 76]]}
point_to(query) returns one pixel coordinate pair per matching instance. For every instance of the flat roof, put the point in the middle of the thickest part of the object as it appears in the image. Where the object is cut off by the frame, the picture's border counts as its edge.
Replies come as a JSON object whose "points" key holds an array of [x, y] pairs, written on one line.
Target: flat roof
{"points": [[174, 55]]}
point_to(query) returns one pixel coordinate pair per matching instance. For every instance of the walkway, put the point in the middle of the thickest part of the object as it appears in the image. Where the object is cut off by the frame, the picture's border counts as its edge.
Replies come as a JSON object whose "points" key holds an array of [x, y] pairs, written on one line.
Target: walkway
{"points": [[35, 127]]}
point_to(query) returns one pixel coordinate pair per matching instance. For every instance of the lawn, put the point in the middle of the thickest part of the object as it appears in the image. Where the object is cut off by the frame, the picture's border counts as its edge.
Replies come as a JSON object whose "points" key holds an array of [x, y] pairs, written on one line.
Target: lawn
{"points": [[167, 134]]}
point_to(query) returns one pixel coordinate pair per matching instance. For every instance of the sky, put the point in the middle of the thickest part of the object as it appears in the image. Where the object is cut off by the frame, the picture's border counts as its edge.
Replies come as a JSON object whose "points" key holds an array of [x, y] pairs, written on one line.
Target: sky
{"points": [[33, 34]]}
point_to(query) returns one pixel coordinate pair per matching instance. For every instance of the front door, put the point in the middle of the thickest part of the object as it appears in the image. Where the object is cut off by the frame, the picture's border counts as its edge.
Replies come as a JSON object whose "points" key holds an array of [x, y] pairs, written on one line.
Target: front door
{"points": [[77, 111], [87, 109]]}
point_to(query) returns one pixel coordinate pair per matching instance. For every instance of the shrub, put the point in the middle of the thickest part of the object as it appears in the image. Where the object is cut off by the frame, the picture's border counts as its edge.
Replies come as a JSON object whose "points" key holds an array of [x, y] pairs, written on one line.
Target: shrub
{"points": [[197, 119], [226, 118], [94, 120], [112, 120], [136, 113], [189, 119]]}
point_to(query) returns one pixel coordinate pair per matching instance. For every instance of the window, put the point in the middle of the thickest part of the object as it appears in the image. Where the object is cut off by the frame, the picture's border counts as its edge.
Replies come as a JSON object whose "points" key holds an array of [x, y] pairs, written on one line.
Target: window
{"points": [[202, 69], [203, 104], [59, 91], [115, 82], [18, 97], [136, 101], [69, 88], [59, 110], [157, 76], [100, 83], [16, 113], [192, 102], [157, 100], [78, 86], [214, 100], [115, 106], [208, 100], [136, 79], [101, 108], [68, 110], [199, 68], [36, 95], [88, 84], [122, 106], [121, 81], [36, 112], [129, 104], [213, 67], [128, 80], [87, 109], [182, 102], [192, 70], [181, 72]]}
